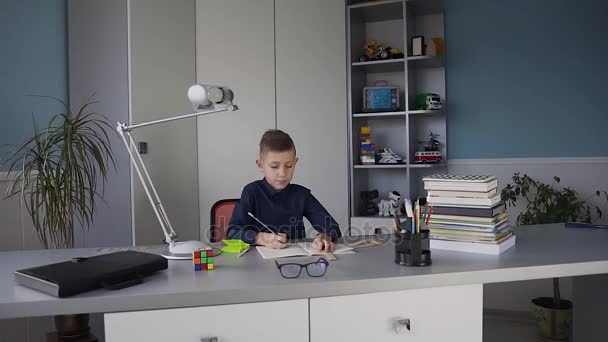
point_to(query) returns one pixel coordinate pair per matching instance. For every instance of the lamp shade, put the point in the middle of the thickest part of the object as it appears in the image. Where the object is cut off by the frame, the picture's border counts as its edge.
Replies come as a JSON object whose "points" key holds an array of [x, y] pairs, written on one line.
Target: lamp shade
{"points": [[197, 95]]}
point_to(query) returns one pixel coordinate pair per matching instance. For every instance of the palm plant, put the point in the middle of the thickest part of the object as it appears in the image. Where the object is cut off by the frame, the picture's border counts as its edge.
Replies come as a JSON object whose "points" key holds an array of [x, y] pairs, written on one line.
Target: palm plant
{"points": [[59, 171]]}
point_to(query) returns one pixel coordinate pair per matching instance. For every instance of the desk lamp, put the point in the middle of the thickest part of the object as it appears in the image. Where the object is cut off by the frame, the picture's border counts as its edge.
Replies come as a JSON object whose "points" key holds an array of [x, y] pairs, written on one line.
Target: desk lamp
{"points": [[205, 99]]}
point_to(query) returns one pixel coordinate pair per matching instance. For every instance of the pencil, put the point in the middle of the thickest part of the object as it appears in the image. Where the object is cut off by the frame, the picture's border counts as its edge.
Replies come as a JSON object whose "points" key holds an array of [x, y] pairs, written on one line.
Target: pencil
{"points": [[417, 216], [260, 222], [243, 252], [428, 217]]}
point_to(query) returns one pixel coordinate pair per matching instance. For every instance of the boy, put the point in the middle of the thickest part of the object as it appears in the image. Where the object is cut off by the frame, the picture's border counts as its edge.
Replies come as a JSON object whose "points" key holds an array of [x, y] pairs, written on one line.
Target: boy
{"points": [[279, 204]]}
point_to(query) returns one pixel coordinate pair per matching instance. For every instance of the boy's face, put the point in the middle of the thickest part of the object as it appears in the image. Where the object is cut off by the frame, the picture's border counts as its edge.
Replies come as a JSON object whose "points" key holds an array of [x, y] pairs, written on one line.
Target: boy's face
{"points": [[278, 167]]}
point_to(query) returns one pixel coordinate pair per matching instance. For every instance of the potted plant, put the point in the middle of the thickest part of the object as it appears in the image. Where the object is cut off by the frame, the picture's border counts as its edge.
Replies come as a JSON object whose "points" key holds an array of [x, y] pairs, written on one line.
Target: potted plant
{"points": [[550, 203], [60, 173]]}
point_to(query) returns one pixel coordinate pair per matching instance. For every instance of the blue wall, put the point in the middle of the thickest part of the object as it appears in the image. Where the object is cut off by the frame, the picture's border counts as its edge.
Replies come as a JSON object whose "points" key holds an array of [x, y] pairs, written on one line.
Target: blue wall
{"points": [[33, 60], [527, 78]]}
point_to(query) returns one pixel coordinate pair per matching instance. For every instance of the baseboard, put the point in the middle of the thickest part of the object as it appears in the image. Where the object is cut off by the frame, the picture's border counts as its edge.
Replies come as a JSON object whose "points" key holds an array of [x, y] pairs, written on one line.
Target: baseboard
{"points": [[530, 161]]}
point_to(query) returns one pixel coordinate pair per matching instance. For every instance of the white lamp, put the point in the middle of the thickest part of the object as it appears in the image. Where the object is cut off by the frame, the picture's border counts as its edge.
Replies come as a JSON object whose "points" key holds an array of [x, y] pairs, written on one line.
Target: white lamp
{"points": [[205, 99]]}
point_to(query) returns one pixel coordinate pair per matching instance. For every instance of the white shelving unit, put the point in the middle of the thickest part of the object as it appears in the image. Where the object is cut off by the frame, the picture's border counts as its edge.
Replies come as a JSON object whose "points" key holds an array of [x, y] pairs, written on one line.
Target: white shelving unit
{"points": [[393, 23]]}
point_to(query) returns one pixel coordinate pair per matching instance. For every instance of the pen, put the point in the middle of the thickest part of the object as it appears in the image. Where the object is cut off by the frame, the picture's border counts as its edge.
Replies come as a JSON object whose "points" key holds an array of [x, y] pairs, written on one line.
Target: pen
{"points": [[408, 208], [243, 252], [260, 222]]}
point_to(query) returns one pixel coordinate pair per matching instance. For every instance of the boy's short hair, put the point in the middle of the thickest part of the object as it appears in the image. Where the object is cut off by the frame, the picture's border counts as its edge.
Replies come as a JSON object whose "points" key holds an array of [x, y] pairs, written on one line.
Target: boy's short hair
{"points": [[276, 140]]}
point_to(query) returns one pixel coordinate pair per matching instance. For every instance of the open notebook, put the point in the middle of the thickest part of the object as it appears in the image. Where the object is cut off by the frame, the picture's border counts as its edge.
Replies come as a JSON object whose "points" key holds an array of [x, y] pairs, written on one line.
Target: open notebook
{"points": [[299, 249]]}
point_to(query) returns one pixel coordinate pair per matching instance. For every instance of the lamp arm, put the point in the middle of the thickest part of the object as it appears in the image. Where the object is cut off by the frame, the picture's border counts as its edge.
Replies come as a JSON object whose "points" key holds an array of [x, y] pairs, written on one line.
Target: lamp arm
{"points": [[153, 197], [125, 132], [126, 128]]}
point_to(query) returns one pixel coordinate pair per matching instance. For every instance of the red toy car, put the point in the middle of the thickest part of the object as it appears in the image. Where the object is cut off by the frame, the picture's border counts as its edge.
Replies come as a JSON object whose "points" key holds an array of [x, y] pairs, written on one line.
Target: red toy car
{"points": [[428, 157]]}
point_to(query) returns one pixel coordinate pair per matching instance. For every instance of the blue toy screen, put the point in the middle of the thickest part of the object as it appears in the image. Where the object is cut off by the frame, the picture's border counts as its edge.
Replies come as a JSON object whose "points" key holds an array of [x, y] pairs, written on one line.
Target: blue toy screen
{"points": [[381, 98]]}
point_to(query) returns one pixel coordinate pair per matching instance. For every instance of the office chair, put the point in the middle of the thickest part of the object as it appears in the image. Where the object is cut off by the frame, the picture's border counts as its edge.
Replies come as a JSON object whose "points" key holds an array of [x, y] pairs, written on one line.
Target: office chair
{"points": [[221, 213]]}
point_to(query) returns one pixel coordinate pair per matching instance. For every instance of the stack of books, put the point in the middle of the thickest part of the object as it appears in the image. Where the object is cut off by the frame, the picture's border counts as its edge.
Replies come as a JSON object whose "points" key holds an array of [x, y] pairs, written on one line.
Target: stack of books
{"points": [[467, 214]]}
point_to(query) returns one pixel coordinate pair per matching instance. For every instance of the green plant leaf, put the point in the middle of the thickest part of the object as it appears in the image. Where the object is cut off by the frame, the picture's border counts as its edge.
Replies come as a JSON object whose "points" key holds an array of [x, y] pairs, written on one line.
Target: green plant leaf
{"points": [[61, 167]]}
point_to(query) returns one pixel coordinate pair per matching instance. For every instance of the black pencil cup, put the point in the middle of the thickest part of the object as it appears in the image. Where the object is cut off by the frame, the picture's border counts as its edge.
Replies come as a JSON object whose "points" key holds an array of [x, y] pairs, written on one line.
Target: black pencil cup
{"points": [[412, 249]]}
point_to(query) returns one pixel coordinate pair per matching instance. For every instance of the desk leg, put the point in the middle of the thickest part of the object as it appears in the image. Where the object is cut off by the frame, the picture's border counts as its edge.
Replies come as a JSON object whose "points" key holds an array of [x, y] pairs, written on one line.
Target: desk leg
{"points": [[590, 304]]}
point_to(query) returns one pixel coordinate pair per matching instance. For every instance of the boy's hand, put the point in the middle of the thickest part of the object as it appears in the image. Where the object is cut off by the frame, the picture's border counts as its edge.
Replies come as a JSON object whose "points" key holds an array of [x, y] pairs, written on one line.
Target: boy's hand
{"points": [[274, 241], [323, 243]]}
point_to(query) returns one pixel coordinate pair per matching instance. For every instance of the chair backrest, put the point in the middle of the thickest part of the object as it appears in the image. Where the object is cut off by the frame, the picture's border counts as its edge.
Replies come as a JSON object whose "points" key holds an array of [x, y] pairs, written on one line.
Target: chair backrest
{"points": [[221, 213]]}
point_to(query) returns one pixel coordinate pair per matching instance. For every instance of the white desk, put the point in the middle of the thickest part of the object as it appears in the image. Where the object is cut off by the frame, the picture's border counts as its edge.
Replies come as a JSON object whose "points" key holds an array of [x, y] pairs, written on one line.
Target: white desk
{"points": [[360, 294]]}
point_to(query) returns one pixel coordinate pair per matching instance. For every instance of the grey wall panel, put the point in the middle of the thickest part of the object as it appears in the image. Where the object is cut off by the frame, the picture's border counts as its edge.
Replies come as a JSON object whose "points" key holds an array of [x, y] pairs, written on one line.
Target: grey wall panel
{"points": [[234, 47], [97, 40], [162, 69], [311, 96]]}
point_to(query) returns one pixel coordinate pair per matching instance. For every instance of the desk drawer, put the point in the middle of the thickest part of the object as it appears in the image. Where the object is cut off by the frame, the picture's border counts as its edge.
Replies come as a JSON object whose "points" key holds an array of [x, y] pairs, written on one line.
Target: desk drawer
{"points": [[268, 321], [437, 314]]}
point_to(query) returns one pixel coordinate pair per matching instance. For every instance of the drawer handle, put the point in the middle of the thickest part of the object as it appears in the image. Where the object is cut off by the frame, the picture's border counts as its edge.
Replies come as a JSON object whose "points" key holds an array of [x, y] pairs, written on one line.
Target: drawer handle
{"points": [[400, 324], [209, 339]]}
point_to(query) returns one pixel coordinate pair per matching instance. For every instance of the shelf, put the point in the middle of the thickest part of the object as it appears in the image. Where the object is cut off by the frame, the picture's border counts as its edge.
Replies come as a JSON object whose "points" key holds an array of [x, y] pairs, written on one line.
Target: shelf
{"points": [[378, 10], [381, 166], [382, 61], [423, 62], [426, 166], [374, 3], [385, 65], [379, 115], [422, 113]]}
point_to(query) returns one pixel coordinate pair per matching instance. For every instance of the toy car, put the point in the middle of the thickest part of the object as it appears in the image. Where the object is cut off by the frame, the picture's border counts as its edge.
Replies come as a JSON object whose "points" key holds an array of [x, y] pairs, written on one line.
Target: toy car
{"points": [[428, 157], [428, 101], [373, 51]]}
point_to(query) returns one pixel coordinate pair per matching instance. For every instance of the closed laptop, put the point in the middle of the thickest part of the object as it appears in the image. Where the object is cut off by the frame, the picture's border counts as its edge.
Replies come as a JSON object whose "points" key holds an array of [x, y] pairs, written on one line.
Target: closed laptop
{"points": [[112, 271]]}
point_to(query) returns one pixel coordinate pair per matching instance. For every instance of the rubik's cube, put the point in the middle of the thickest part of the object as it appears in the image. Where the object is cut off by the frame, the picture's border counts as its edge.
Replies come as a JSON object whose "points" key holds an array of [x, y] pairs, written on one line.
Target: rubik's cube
{"points": [[203, 259]]}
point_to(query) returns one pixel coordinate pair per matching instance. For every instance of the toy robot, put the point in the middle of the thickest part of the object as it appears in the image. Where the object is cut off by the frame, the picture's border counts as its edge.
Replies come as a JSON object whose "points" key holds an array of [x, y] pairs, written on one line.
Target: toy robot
{"points": [[392, 206]]}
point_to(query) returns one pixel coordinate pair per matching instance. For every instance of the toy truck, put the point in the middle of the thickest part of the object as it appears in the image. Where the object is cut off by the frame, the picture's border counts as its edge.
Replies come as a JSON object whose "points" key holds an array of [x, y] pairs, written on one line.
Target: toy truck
{"points": [[428, 101]]}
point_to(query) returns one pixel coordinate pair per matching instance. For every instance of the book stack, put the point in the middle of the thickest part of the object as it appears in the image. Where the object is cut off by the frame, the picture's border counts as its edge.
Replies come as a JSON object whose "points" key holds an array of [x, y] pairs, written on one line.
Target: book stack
{"points": [[467, 214]]}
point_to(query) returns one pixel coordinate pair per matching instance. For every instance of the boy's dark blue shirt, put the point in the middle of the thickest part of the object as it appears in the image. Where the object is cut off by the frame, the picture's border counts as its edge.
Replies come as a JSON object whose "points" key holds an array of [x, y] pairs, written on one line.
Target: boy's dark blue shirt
{"points": [[282, 211]]}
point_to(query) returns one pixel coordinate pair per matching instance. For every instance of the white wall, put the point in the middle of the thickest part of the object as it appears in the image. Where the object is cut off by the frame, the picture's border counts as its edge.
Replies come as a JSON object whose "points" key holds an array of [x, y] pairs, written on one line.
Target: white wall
{"points": [[97, 55], [162, 48], [311, 96], [285, 61], [234, 47], [584, 175]]}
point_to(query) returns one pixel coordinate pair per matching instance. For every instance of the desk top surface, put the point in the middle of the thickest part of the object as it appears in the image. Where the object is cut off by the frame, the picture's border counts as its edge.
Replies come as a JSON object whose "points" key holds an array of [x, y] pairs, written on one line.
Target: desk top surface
{"points": [[542, 251]]}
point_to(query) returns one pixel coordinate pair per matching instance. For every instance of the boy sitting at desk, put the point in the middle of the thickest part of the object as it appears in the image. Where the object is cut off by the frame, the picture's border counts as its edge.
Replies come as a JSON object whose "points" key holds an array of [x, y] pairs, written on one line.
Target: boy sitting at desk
{"points": [[279, 204]]}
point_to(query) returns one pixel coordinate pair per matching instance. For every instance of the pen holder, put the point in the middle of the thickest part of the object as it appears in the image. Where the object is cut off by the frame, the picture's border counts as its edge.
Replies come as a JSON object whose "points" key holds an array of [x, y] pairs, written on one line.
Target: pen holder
{"points": [[412, 249]]}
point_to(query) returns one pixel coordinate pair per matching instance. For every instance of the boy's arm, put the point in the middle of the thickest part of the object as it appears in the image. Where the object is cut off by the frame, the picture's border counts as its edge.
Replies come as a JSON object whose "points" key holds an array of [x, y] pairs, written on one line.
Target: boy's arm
{"points": [[320, 219], [241, 227]]}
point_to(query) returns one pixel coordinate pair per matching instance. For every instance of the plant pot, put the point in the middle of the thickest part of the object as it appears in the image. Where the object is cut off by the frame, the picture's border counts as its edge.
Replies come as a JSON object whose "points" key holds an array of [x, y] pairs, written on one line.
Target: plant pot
{"points": [[72, 326], [553, 323]]}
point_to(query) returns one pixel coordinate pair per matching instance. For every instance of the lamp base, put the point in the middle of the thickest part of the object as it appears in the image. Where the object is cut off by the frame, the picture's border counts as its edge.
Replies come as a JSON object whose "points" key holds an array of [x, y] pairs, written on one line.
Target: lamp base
{"points": [[182, 250]]}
